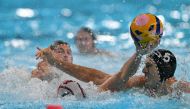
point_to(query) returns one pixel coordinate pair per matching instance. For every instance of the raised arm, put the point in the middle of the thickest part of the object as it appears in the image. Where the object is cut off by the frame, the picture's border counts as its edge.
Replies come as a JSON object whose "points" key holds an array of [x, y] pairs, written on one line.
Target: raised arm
{"points": [[120, 80], [130, 67]]}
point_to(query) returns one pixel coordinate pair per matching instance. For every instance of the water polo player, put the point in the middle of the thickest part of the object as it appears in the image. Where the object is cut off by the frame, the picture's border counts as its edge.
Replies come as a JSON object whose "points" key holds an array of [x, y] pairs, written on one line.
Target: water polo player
{"points": [[44, 71], [158, 79], [70, 87], [85, 42]]}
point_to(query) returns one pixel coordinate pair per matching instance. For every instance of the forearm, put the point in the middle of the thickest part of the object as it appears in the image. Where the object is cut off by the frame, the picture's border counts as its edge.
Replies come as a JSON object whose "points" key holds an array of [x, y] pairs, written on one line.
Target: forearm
{"points": [[130, 67], [82, 73], [118, 81]]}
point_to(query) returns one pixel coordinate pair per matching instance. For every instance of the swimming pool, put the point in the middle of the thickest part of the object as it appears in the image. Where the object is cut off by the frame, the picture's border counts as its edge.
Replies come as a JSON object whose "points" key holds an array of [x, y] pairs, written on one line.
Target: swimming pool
{"points": [[27, 24]]}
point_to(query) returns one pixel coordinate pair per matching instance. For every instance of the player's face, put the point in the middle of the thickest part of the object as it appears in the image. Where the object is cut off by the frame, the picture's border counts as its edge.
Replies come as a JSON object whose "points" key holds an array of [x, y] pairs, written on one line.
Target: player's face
{"points": [[84, 41], [63, 52], [151, 73]]}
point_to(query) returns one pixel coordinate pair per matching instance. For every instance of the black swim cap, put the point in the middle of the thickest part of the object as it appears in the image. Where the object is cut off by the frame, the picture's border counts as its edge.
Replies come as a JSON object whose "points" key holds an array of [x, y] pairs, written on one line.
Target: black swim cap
{"points": [[166, 63]]}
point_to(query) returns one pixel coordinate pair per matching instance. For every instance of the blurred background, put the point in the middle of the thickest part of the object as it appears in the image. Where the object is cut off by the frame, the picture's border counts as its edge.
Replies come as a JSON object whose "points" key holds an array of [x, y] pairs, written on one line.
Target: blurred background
{"points": [[27, 24]]}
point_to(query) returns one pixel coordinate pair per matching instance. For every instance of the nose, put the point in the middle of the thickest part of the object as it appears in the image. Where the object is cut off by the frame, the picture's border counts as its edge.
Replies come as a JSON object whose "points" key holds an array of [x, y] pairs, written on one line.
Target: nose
{"points": [[65, 55], [83, 42]]}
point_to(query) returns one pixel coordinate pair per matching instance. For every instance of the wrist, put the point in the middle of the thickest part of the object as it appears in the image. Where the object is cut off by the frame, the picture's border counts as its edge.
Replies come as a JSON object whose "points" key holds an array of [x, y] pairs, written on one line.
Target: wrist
{"points": [[139, 52], [139, 55]]}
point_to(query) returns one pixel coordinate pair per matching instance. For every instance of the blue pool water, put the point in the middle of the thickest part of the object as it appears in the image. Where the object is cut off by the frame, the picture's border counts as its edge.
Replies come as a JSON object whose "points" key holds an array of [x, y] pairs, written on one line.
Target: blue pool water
{"points": [[27, 24]]}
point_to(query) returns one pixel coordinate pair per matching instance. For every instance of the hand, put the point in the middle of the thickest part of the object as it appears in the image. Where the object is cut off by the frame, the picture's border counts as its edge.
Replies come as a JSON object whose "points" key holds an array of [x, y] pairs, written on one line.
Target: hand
{"points": [[149, 47], [40, 52], [37, 73], [50, 56]]}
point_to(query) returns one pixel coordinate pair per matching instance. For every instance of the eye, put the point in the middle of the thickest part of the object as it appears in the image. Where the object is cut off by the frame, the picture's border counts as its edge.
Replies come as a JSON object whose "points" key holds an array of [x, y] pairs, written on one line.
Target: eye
{"points": [[79, 38], [151, 28], [69, 52], [138, 32], [61, 51]]}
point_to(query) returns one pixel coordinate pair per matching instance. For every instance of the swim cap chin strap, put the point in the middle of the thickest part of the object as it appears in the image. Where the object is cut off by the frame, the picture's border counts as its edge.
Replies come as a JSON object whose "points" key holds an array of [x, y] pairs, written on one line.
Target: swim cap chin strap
{"points": [[166, 63]]}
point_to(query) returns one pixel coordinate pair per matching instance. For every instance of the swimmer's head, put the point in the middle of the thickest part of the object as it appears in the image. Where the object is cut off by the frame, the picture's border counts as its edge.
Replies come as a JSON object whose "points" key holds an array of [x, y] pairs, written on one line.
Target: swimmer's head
{"points": [[62, 50], [85, 40], [165, 62], [88, 30], [58, 42], [70, 87]]}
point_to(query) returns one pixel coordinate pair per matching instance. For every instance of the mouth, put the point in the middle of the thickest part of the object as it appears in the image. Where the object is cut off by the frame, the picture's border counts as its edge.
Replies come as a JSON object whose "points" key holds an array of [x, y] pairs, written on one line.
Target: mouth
{"points": [[66, 60]]}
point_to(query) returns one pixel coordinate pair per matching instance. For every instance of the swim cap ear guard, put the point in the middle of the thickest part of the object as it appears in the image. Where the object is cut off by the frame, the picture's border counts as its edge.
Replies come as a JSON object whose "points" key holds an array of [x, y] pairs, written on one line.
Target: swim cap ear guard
{"points": [[166, 63]]}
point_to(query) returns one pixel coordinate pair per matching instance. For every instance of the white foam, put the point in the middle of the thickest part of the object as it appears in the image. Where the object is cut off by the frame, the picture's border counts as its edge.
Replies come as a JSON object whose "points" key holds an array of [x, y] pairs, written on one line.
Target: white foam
{"points": [[19, 82], [25, 12]]}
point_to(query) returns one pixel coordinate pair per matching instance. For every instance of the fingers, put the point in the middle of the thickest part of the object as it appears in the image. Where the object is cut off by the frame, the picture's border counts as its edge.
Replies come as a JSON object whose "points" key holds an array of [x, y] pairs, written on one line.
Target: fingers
{"points": [[39, 49], [50, 57], [146, 47], [39, 53]]}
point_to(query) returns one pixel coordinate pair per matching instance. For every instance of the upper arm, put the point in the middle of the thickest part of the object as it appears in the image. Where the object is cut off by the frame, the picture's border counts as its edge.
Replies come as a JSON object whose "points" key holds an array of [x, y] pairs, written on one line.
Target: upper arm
{"points": [[130, 67], [135, 81], [115, 83]]}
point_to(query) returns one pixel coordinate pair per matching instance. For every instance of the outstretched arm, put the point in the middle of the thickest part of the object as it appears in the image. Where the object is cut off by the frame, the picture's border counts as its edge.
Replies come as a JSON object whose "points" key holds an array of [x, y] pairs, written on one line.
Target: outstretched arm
{"points": [[80, 72]]}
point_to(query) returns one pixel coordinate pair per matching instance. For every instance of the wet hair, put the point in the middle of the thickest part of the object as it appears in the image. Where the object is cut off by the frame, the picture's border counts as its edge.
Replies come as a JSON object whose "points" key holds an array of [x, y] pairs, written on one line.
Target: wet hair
{"points": [[166, 63], [58, 42], [88, 30]]}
